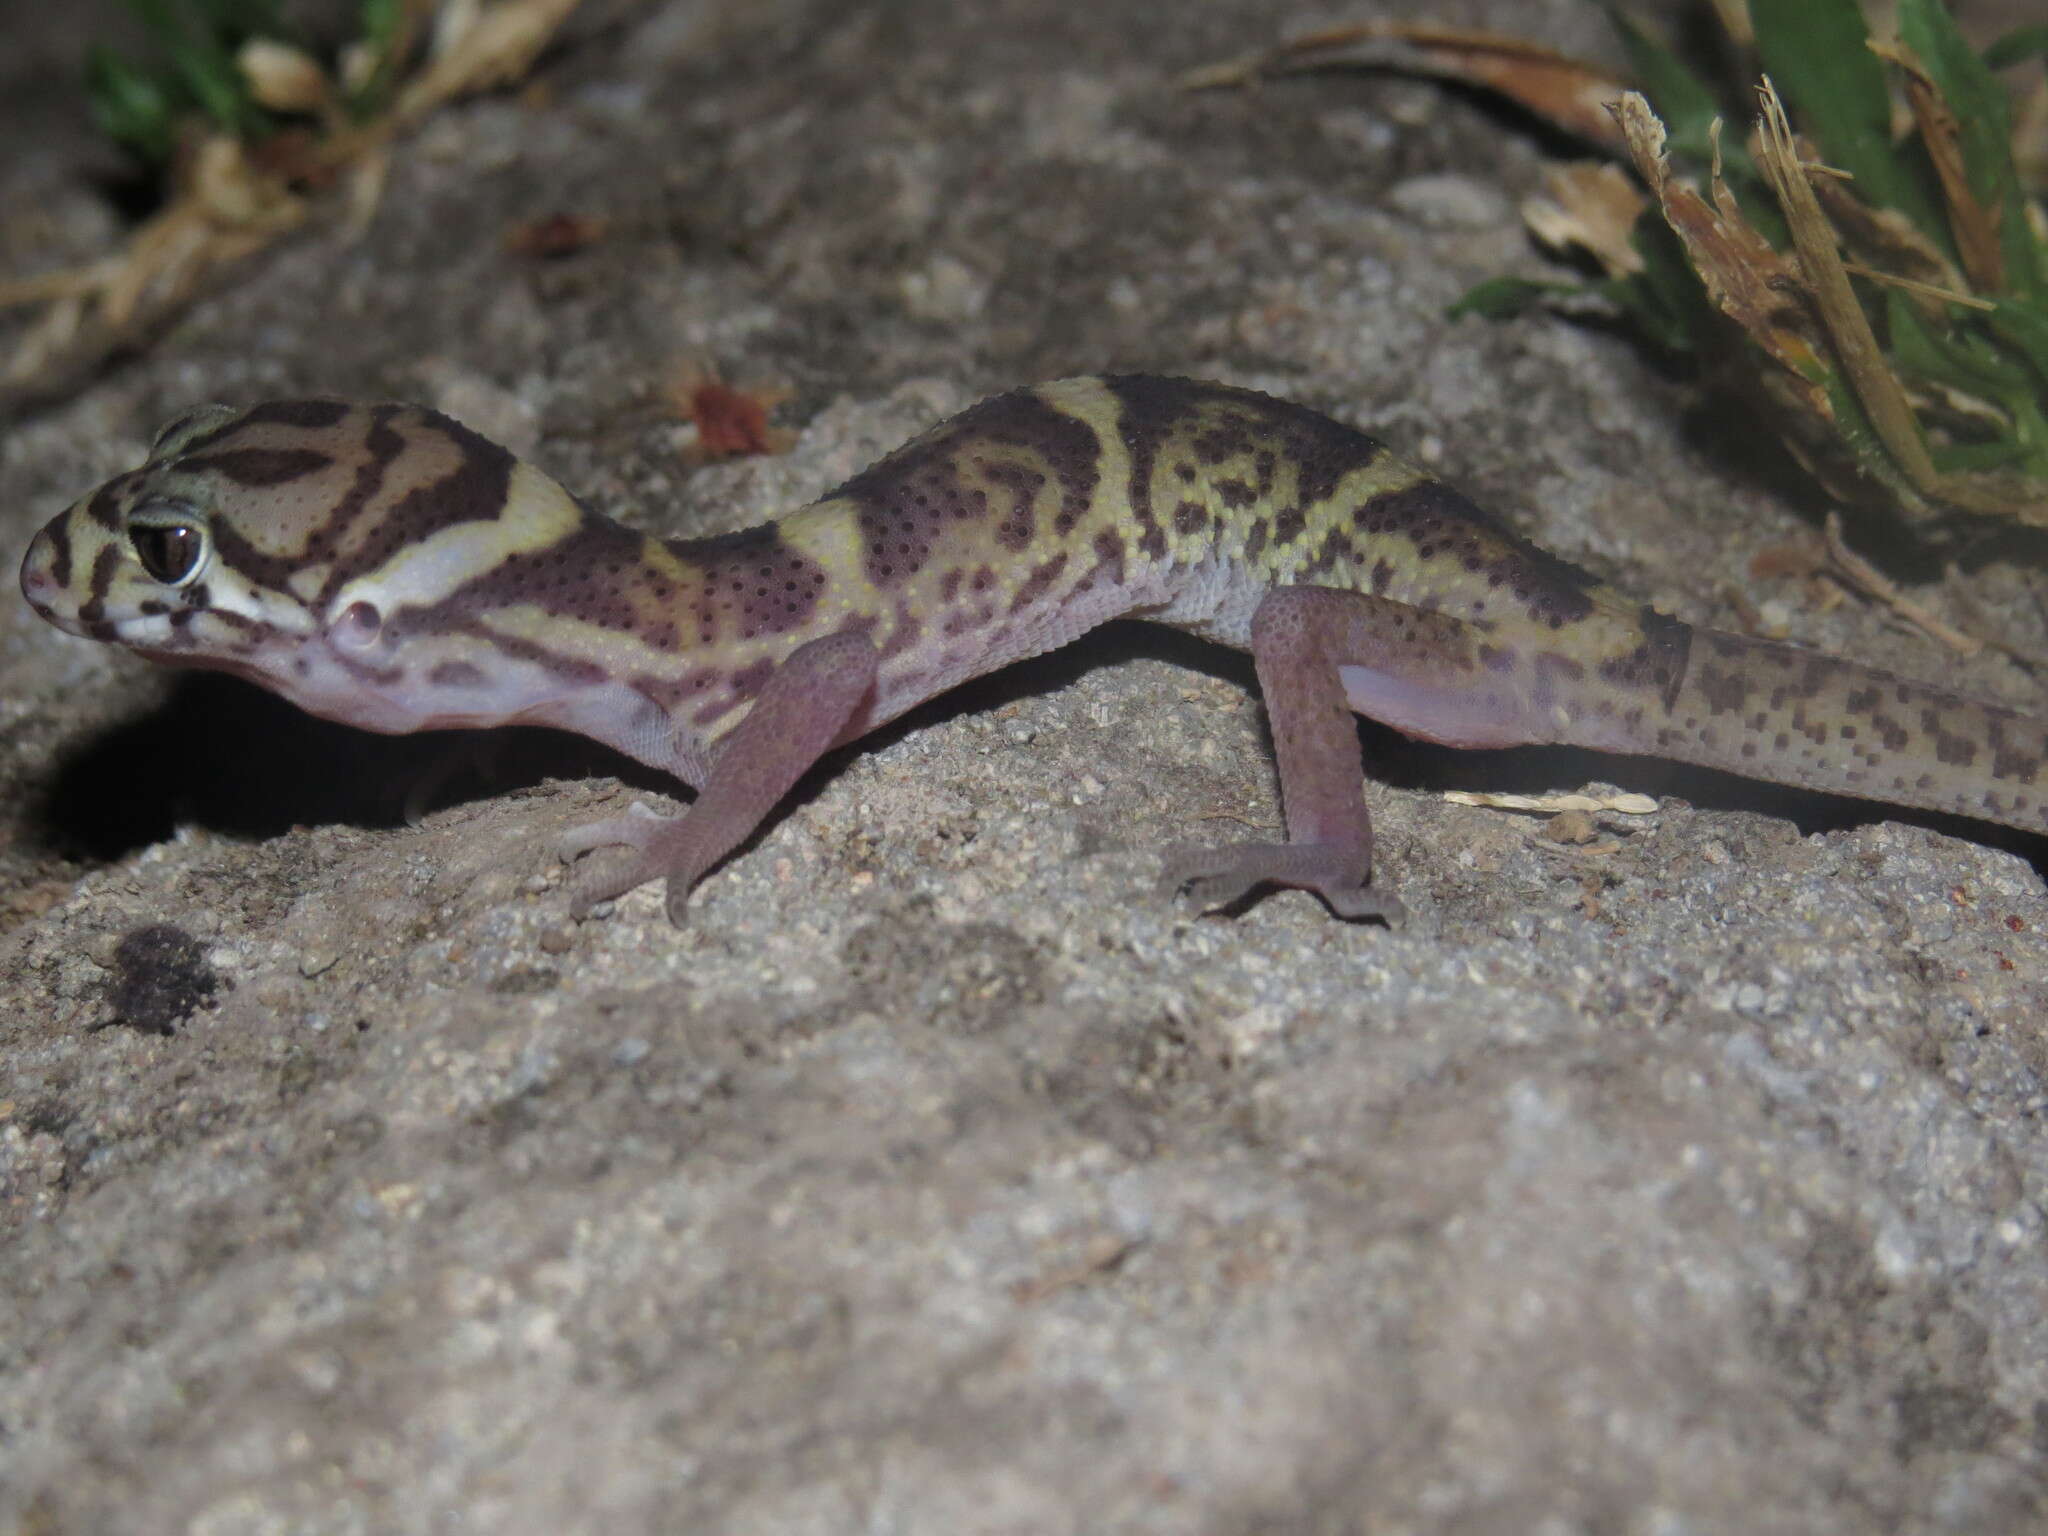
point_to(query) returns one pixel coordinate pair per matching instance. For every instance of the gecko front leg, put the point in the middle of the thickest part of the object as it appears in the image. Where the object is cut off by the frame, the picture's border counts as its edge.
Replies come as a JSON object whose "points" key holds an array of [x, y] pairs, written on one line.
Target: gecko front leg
{"points": [[802, 711], [1323, 654]]}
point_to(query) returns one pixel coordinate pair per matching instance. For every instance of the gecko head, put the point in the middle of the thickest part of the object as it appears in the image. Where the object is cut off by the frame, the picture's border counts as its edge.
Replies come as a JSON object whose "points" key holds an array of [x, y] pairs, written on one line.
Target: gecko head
{"points": [[138, 562], [302, 544]]}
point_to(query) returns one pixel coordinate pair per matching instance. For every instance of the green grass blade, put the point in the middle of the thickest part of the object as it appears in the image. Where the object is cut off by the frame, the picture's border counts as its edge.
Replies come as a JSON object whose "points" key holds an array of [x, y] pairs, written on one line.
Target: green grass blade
{"points": [[1505, 298], [1815, 51], [2017, 47], [2025, 325], [131, 107]]}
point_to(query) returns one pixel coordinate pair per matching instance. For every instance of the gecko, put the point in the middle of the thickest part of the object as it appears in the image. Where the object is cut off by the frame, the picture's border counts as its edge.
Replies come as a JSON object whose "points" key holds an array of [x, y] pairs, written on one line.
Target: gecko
{"points": [[385, 566]]}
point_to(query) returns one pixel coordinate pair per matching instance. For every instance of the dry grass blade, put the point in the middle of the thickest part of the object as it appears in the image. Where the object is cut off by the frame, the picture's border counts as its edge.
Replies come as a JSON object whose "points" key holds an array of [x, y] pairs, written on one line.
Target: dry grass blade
{"points": [[1571, 93], [498, 47], [233, 200], [1826, 282], [1974, 226], [1873, 583]]}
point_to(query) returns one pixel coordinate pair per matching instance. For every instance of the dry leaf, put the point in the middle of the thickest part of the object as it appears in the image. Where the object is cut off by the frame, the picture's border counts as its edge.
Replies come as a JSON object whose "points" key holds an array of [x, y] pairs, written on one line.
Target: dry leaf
{"points": [[1591, 204], [1744, 277], [1571, 93], [731, 422], [556, 234], [1618, 801]]}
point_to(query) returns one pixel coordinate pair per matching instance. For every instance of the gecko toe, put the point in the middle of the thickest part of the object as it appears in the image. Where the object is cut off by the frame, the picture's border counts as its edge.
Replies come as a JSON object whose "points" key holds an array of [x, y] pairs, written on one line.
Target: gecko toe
{"points": [[1219, 877], [638, 828]]}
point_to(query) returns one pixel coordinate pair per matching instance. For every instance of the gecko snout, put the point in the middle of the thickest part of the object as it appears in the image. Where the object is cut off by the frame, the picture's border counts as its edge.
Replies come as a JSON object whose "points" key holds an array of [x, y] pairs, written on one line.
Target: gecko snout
{"points": [[39, 583]]}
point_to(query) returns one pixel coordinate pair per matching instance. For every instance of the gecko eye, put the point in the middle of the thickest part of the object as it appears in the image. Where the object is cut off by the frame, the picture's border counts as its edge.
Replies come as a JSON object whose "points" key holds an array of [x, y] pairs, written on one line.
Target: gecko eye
{"points": [[357, 626], [171, 552]]}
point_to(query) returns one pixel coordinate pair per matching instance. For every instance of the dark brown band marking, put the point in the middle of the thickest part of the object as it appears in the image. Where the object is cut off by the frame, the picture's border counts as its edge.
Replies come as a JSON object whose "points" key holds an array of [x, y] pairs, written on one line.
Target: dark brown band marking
{"points": [[475, 491], [59, 535], [1441, 522], [257, 468], [1661, 661], [907, 501]]}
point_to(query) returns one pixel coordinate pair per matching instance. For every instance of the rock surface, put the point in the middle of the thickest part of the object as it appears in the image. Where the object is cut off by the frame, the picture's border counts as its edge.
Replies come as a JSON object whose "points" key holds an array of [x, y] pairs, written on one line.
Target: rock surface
{"points": [[937, 1177]]}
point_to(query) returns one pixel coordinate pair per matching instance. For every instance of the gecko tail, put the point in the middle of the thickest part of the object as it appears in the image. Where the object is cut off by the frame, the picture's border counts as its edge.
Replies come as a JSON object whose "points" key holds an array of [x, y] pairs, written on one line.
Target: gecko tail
{"points": [[1790, 716]]}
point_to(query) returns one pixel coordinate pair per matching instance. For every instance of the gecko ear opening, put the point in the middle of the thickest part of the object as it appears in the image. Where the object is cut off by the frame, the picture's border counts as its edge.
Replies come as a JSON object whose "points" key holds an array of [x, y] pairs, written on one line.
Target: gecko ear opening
{"points": [[356, 627]]}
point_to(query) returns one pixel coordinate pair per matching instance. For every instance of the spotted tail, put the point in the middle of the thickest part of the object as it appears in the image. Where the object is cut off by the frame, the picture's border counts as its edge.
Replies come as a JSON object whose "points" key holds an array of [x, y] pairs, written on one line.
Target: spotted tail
{"points": [[1793, 716]]}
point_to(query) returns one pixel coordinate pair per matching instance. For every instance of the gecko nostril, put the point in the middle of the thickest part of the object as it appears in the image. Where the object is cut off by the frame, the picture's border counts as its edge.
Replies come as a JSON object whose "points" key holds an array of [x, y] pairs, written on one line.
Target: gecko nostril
{"points": [[36, 580]]}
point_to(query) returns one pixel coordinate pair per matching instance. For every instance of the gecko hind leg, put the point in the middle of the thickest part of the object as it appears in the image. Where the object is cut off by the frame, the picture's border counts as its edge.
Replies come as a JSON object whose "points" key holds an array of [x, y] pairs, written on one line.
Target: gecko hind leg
{"points": [[802, 711], [1323, 654]]}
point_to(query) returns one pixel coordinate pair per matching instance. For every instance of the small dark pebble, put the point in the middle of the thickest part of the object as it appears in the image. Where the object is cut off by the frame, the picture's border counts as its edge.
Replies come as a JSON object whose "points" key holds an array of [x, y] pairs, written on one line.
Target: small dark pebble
{"points": [[160, 979]]}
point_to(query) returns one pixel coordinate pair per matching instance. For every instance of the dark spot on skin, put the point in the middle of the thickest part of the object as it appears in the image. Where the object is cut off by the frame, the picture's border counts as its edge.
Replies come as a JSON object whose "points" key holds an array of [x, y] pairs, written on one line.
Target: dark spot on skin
{"points": [[1288, 524], [1335, 548], [1725, 689], [1382, 574], [2010, 760], [1957, 751], [1496, 658], [1255, 542], [1152, 542], [1190, 518], [1236, 494], [755, 582], [1220, 444], [1659, 663], [1861, 701]]}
